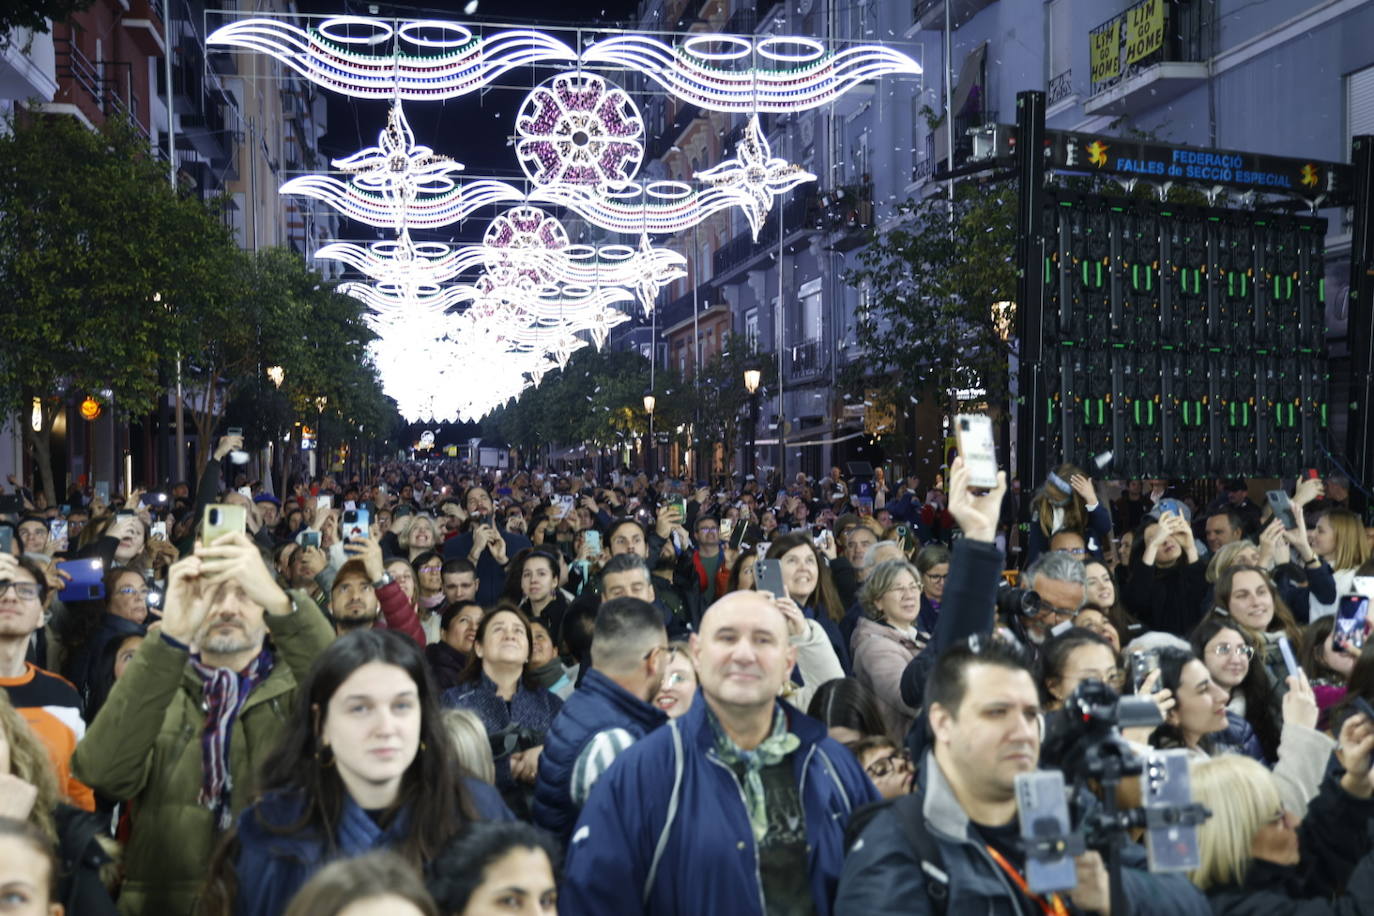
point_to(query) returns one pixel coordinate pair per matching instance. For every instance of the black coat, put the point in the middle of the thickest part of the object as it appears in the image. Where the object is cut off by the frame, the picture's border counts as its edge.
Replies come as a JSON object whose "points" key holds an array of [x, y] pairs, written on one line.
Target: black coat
{"points": [[1335, 849]]}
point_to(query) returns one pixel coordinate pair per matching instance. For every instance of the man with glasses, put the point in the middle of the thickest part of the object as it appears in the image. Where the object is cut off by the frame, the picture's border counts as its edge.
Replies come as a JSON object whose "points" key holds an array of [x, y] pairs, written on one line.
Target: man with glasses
{"points": [[1057, 593], [698, 571], [49, 704], [611, 709]]}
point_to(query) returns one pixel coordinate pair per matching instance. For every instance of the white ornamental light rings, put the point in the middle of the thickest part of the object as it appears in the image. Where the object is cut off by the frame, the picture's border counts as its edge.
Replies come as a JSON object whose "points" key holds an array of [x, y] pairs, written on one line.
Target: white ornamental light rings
{"points": [[755, 175], [402, 259], [788, 73], [576, 129], [656, 208], [398, 167], [401, 63], [428, 212]]}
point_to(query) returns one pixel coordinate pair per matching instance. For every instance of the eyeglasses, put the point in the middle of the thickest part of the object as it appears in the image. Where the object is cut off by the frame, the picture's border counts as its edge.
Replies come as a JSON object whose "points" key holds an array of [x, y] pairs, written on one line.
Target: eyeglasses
{"points": [[24, 591], [129, 590], [886, 766], [933, 577], [431, 569], [1222, 651], [904, 589]]}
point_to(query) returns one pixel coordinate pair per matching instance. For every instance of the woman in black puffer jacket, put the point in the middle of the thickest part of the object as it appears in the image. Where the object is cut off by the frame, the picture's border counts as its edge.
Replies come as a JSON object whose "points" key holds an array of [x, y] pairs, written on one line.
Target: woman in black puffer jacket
{"points": [[1257, 859]]}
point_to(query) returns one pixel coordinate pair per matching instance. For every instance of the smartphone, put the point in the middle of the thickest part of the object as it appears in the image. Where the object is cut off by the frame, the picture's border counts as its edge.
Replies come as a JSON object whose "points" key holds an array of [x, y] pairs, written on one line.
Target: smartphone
{"points": [[1167, 786], [739, 534], [350, 504], [1043, 811], [1288, 658], [324, 502], [356, 523], [246, 493], [1282, 507], [235, 431], [1350, 620], [974, 434], [158, 530], [1361, 706], [768, 577], [220, 519], [1172, 506], [592, 539], [1142, 663], [87, 580], [102, 491], [57, 529], [308, 539], [680, 505], [1310, 474], [564, 503], [6, 539], [727, 528]]}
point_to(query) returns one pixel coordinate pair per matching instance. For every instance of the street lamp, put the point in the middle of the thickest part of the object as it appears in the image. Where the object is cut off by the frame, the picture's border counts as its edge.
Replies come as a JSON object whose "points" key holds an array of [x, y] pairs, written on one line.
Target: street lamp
{"points": [[752, 378], [649, 403], [276, 374]]}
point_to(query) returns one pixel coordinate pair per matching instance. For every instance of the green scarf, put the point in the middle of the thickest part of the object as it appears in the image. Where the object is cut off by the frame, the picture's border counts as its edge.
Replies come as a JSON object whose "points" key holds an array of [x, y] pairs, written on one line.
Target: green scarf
{"points": [[771, 751]]}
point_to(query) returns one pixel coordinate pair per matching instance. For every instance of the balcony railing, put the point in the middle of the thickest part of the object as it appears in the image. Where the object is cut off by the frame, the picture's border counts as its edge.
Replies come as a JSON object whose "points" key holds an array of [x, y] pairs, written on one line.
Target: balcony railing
{"points": [[1060, 88], [97, 91], [808, 357], [1130, 42], [798, 215]]}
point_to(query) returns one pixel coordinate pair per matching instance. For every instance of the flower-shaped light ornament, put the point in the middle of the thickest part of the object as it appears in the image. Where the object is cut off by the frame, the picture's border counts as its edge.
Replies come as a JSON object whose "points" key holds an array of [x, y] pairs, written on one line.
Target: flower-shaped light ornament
{"points": [[575, 129]]}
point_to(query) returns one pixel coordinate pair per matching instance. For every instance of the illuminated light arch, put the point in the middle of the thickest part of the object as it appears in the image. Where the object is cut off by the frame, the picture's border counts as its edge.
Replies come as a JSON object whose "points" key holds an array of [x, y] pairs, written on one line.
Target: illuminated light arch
{"points": [[575, 128], [429, 212]]}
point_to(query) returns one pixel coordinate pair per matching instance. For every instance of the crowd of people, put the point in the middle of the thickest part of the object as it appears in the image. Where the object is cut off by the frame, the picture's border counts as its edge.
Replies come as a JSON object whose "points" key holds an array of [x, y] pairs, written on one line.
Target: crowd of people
{"points": [[442, 689]]}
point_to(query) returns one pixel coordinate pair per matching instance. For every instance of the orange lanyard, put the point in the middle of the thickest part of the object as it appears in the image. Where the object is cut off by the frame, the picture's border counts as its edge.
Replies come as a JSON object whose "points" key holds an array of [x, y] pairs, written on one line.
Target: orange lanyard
{"points": [[1055, 905]]}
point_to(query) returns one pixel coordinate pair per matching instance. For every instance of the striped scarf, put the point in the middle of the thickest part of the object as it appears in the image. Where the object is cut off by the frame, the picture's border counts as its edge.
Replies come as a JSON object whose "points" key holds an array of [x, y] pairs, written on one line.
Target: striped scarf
{"points": [[224, 693]]}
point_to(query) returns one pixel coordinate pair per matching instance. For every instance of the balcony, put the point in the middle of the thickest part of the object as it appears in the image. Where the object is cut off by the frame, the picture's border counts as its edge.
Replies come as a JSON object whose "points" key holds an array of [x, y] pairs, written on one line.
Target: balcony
{"points": [[144, 25], [1139, 67], [807, 359], [27, 66], [95, 92], [1060, 88], [799, 215]]}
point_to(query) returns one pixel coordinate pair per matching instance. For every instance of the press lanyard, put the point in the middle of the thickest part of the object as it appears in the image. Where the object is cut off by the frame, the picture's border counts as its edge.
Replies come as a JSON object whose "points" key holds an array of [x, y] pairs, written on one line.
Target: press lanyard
{"points": [[1055, 905]]}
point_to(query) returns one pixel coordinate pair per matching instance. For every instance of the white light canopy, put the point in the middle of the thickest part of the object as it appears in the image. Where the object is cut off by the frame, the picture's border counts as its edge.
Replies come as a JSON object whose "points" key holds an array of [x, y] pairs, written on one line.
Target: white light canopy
{"points": [[464, 328]]}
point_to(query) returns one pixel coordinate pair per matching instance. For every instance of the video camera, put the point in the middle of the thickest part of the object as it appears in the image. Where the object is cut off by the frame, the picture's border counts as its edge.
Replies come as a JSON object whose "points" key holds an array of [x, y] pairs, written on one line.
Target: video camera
{"points": [[1084, 747]]}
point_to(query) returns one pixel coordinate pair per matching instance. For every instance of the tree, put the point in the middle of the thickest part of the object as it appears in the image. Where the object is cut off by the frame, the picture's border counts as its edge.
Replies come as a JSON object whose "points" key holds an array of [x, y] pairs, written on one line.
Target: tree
{"points": [[721, 400], [932, 326], [86, 265], [34, 15]]}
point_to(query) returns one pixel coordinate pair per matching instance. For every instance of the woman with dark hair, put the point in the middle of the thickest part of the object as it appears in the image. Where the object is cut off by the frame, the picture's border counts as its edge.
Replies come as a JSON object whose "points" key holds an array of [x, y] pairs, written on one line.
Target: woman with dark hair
{"points": [[1068, 502], [1248, 596], [1100, 588], [1327, 667], [364, 764], [1167, 580], [1253, 711], [495, 869], [742, 572], [429, 591], [1200, 704], [849, 710], [92, 627], [517, 712], [1072, 657], [532, 585], [377, 882], [932, 562], [806, 579]]}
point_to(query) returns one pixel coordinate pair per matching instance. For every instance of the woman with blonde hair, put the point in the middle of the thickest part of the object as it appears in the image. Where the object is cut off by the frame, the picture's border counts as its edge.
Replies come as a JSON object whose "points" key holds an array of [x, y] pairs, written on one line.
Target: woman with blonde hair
{"points": [[1068, 502], [471, 743], [1339, 539], [1259, 858], [417, 534]]}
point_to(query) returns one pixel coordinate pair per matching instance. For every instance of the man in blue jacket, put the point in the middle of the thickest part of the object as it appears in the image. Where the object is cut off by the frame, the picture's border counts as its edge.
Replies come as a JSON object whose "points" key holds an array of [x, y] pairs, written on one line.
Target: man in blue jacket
{"points": [[607, 713], [737, 807], [984, 712]]}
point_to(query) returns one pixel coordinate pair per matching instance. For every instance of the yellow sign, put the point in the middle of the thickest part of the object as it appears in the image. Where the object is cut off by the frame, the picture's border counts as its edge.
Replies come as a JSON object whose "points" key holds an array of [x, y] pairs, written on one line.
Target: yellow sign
{"points": [[1106, 52], [90, 408], [1144, 30]]}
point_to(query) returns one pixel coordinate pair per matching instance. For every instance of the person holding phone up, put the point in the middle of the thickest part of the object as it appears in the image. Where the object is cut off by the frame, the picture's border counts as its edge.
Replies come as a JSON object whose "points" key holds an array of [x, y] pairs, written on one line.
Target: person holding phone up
{"points": [[485, 546], [209, 674], [1168, 580]]}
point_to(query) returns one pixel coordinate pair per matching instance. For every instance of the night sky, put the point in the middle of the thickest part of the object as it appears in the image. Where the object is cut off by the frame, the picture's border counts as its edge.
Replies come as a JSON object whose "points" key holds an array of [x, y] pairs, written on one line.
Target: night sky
{"points": [[474, 129]]}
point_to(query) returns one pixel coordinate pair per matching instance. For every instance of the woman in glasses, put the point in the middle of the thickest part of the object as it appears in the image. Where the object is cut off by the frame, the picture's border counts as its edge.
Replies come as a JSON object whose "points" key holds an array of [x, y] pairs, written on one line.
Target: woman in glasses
{"points": [[125, 614], [886, 639], [886, 764], [1253, 709], [1072, 657]]}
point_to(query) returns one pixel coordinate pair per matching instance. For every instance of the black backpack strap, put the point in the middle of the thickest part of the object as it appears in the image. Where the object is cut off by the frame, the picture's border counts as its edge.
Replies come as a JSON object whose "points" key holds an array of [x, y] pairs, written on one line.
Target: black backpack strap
{"points": [[927, 849]]}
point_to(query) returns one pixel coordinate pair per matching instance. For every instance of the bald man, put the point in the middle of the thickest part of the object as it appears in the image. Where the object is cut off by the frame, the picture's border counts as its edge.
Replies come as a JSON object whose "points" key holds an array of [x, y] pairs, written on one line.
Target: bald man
{"points": [[738, 806]]}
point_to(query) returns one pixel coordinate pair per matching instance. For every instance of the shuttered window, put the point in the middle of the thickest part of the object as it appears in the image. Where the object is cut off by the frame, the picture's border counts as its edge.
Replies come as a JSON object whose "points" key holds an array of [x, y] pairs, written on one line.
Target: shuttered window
{"points": [[1359, 98]]}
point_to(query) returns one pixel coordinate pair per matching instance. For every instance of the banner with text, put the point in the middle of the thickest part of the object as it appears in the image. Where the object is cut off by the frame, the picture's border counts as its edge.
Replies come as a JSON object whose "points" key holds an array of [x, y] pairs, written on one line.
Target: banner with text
{"points": [[1106, 51], [1144, 30]]}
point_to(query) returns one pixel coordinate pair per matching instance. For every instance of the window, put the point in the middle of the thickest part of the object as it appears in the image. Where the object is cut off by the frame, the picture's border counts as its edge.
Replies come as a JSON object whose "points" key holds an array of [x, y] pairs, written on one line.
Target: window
{"points": [[1061, 37], [751, 329], [1359, 105], [810, 296]]}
